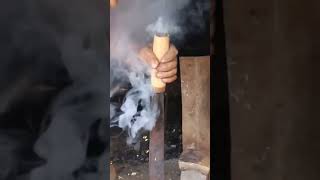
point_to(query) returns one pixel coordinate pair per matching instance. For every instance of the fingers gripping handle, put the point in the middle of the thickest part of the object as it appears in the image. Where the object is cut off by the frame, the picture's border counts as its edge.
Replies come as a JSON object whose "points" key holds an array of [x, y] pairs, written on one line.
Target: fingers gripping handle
{"points": [[160, 47]]}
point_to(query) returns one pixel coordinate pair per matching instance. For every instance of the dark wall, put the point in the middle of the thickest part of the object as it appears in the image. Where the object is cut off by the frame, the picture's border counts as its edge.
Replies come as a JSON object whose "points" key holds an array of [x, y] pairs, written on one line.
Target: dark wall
{"points": [[54, 70], [273, 60], [194, 20]]}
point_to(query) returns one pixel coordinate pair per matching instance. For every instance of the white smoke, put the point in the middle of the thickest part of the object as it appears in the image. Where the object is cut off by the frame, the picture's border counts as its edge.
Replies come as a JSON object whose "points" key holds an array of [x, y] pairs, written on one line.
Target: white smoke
{"points": [[135, 72], [163, 26], [133, 23]]}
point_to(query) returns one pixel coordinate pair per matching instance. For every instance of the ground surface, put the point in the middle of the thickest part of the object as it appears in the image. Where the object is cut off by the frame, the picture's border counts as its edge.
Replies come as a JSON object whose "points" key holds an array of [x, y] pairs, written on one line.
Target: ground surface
{"points": [[131, 162], [140, 171]]}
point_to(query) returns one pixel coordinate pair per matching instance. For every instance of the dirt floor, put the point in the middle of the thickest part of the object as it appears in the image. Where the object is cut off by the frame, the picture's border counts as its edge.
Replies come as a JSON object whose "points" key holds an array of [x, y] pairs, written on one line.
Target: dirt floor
{"points": [[140, 171], [131, 162]]}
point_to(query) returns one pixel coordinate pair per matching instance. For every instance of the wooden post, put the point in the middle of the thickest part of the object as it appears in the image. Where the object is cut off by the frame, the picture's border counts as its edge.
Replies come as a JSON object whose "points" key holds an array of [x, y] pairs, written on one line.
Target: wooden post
{"points": [[195, 85]]}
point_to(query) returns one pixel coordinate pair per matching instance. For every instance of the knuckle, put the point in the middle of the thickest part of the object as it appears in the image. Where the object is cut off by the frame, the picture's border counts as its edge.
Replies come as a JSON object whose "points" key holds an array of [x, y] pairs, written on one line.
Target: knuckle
{"points": [[175, 50], [175, 77], [173, 73], [166, 66], [175, 64]]}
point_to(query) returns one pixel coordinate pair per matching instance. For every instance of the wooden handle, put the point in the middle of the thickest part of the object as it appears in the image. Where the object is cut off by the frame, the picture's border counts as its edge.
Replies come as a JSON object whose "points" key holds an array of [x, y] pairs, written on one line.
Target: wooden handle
{"points": [[160, 47]]}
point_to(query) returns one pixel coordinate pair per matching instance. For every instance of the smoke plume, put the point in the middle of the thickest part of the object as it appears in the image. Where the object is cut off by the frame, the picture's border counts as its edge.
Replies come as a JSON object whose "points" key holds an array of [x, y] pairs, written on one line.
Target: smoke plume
{"points": [[133, 24], [163, 26], [38, 39]]}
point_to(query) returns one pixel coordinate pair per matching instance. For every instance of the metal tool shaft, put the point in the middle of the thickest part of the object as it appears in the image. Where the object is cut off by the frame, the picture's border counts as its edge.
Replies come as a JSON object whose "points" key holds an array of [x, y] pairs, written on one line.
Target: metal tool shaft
{"points": [[156, 146]]}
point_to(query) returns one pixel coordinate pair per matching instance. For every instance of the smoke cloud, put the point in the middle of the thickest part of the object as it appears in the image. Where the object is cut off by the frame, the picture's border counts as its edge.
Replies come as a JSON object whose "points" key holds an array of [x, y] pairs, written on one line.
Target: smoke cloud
{"points": [[133, 24], [162, 26], [39, 38]]}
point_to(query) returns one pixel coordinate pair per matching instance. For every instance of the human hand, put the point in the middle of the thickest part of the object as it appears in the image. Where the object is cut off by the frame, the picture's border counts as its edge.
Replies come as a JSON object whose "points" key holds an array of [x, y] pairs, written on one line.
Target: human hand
{"points": [[166, 67]]}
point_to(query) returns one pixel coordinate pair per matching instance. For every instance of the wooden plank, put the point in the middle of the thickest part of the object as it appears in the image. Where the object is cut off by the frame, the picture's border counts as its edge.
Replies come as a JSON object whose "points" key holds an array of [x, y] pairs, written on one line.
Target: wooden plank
{"points": [[195, 160], [192, 175], [113, 173], [195, 87]]}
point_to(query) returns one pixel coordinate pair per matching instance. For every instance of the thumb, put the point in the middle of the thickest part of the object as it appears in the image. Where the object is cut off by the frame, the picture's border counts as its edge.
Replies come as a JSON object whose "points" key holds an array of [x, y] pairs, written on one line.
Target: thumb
{"points": [[147, 55]]}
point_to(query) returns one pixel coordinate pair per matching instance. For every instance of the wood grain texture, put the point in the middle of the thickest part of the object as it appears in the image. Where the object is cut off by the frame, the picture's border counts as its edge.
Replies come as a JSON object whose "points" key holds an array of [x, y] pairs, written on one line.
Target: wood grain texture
{"points": [[273, 62], [195, 87]]}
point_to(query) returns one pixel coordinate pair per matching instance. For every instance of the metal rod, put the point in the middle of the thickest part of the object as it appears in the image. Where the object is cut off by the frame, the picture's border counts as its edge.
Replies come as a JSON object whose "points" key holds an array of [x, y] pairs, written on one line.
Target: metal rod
{"points": [[156, 146]]}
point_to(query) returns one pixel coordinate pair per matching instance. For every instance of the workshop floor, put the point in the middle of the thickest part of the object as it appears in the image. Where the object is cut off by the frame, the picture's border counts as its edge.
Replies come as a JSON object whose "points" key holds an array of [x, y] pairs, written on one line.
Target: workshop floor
{"points": [[140, 171], [131, 162]]}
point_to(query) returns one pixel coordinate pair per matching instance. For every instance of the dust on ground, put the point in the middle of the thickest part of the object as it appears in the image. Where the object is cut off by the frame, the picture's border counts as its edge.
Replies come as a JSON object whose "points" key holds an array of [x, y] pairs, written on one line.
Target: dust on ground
{"points": [[140, 171], [131, 162]]}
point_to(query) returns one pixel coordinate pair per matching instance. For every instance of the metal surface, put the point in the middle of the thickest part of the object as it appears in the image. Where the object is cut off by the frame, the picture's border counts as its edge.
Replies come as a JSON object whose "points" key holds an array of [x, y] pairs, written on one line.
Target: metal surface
{"points": [[156, 146]]}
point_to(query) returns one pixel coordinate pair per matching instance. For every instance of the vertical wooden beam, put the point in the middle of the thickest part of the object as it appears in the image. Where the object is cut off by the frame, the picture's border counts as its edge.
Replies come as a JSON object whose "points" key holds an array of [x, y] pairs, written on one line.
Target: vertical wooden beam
{"points": [[195, 87]]}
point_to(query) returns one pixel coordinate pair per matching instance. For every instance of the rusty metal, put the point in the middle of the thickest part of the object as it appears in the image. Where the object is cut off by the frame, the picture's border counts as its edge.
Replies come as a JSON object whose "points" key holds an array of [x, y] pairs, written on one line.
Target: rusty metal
{"points": [[156, 146]]}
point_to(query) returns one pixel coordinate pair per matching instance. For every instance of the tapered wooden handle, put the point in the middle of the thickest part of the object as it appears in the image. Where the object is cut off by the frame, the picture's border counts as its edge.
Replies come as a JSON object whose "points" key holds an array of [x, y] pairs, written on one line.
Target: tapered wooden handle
{"points": [[160, 47]]}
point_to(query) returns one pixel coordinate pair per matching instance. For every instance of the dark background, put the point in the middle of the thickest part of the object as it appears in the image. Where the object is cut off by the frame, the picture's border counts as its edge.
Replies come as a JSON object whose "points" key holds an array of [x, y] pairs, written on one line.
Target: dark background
{"points": [[34, 72], [265, 90]]}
